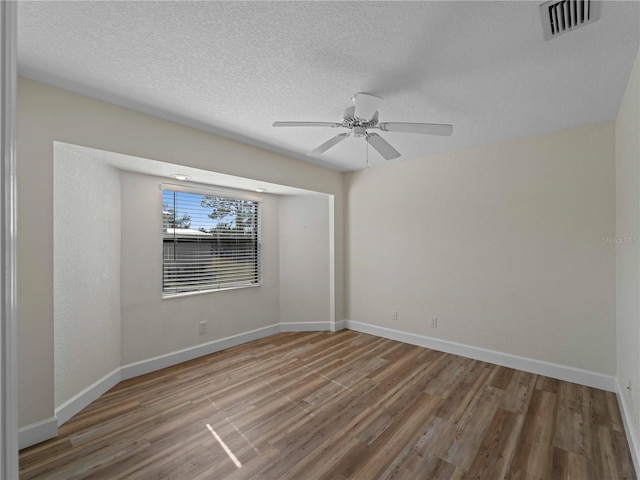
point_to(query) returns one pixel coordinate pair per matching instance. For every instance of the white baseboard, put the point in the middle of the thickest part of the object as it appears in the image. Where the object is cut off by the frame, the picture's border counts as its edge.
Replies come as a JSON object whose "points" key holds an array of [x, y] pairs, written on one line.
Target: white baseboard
{"points": [[37, 432], [629, 428], [48, 428], [340, 325], [305, 326], [170, 359], [76, 403], [539, 367], [44, 430]]}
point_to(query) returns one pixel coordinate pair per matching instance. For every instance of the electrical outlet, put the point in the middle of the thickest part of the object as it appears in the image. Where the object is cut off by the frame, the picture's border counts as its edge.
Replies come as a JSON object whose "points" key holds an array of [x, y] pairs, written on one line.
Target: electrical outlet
{"points": [[202, 329], [394, 316], [433, 322]]}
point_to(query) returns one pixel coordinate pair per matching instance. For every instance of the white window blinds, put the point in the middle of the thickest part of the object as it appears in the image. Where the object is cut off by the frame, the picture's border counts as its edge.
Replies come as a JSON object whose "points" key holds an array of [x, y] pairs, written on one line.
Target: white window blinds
{"points": [[210, 242]]}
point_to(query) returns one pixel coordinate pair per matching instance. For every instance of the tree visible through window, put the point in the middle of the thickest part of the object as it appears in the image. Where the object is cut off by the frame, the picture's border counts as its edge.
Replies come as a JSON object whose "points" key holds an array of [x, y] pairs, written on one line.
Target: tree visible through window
{"points": [[209, 242]]}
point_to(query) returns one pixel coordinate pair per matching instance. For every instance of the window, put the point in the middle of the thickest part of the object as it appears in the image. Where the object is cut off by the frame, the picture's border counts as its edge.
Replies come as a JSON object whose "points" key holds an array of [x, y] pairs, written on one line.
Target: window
{"points": [[209, 241]]}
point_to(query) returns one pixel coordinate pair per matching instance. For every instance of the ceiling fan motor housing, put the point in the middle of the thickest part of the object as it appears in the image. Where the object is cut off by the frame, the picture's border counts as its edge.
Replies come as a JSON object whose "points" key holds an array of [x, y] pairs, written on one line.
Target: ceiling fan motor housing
{"points": [[359, 131], [349, 120]]}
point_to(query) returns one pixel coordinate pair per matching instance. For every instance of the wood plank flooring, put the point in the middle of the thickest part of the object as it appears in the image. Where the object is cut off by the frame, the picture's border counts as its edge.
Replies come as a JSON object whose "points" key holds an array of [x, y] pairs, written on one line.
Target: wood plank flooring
{"points": [[345, 405]]}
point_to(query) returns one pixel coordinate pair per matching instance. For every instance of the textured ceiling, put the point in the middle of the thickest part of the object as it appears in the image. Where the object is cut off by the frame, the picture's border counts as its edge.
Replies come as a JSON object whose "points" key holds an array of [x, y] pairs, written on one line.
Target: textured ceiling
{"points": [[233, 68]]}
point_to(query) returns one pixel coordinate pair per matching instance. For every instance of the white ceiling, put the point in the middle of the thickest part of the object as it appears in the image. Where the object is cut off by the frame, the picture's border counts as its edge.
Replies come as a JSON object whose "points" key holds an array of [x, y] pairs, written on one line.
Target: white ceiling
{"points": [[233, 68]]}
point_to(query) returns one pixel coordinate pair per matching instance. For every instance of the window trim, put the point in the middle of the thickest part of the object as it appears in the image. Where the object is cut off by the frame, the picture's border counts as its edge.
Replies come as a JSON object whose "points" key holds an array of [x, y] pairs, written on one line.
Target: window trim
{"points": [[216, 192]]}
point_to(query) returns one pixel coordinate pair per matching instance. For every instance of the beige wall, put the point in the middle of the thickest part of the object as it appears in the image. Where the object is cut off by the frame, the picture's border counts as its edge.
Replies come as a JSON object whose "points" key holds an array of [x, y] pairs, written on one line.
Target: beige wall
{"points": [[46, 114], [153, 326], [304, 258], [628, 248], [86, 275], [503, 243]]}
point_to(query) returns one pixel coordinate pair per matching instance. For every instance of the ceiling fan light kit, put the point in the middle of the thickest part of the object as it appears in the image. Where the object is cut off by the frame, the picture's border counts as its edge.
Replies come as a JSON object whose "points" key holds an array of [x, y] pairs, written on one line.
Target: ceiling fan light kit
{"points": [[363, 115]]}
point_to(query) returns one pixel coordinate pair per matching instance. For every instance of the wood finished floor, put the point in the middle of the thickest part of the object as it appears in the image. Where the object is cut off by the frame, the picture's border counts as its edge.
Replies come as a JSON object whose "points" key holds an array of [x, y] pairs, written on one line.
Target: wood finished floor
{"points": [[321, 405]]}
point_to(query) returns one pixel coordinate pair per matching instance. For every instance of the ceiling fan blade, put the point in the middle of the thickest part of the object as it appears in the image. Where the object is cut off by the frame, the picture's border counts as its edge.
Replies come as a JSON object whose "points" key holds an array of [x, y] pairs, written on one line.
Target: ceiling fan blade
{"points": [[424, 128], [306, 124], [382, 146], [328, 144], [366, 105]]}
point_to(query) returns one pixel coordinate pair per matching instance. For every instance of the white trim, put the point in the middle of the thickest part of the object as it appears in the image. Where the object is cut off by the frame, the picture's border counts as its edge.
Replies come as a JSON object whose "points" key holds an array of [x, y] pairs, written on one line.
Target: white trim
{"points": [[170, 359], [169, 296], [332, 261], [82, 400], [9, 437], [305, 326], [340, 325], [540, 367], [38, 432], [632, 435]]}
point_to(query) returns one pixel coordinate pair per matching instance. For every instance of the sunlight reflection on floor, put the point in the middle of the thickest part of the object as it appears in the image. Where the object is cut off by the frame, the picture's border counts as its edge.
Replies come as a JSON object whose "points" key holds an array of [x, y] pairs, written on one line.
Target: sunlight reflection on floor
{"points": [[233, 458]]}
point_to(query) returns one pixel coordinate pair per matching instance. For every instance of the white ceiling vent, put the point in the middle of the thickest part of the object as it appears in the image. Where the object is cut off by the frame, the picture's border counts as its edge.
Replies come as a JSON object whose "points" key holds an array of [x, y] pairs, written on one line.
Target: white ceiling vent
{"points": [[562, 16]]}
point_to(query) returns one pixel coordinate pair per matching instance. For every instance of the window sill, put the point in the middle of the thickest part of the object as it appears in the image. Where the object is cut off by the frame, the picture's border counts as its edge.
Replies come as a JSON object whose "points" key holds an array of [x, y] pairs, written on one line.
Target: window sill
{"points": [[168, 296]]}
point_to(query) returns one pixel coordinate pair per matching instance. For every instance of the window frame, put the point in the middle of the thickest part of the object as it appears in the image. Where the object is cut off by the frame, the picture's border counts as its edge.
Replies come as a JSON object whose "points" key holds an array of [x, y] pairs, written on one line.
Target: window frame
{"points": [[226, 194]]}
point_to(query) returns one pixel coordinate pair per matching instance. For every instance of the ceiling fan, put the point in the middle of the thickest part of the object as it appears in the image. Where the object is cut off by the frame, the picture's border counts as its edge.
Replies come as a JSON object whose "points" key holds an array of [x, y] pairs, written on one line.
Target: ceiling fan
{"points": [[362, 116]]}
